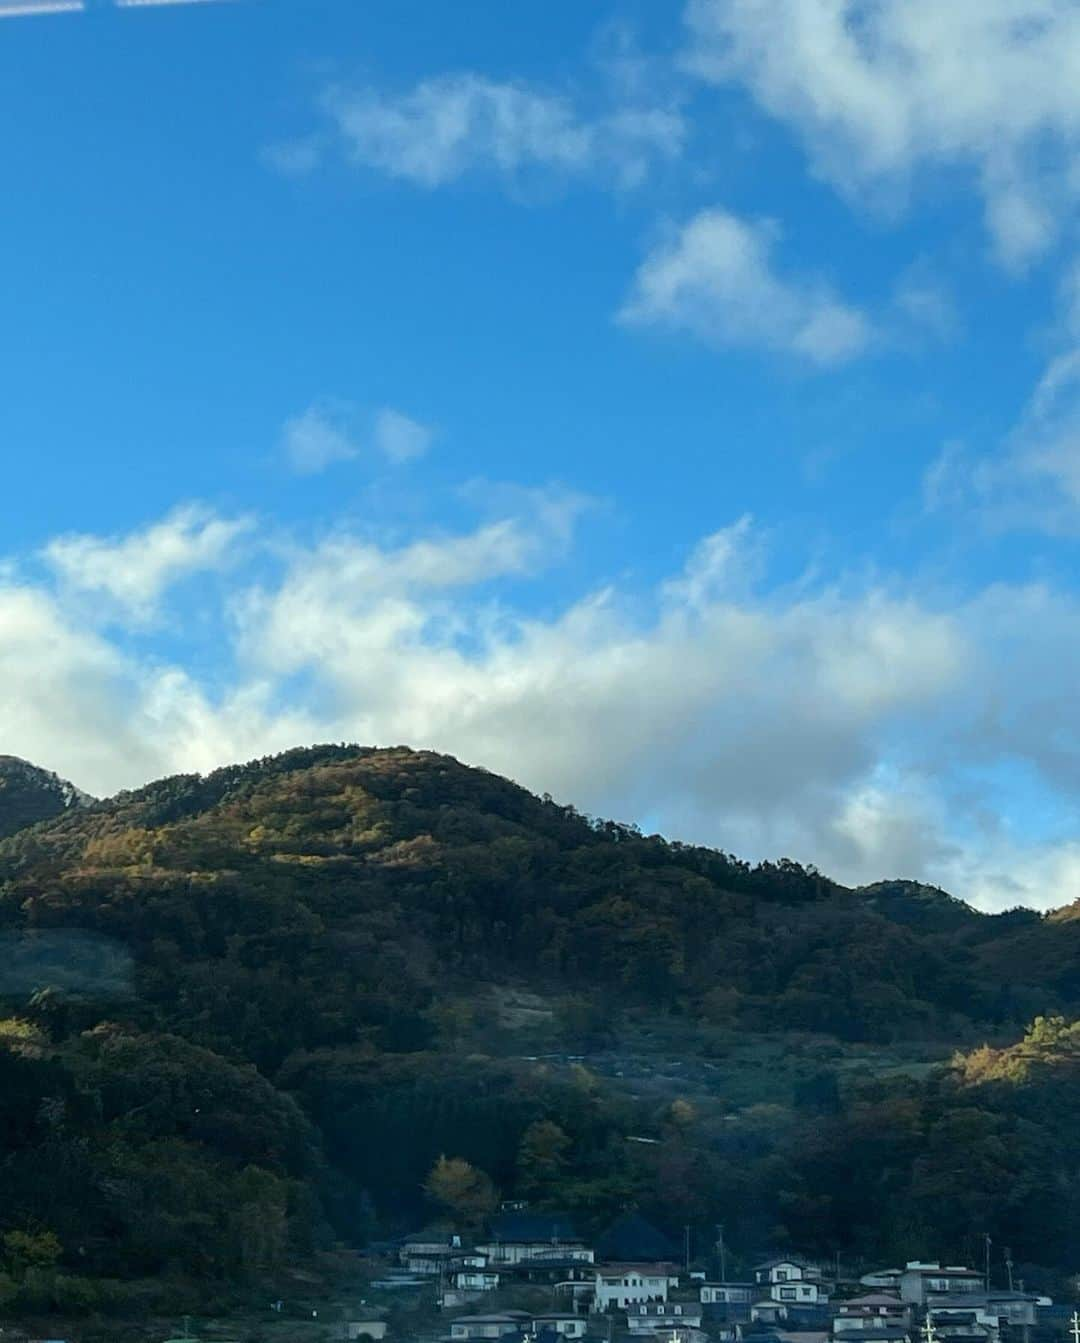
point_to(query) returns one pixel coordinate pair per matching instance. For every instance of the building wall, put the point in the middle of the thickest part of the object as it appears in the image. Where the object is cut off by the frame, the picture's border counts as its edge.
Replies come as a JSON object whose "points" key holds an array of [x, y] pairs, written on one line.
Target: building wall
{"points": [[630, 1289]]}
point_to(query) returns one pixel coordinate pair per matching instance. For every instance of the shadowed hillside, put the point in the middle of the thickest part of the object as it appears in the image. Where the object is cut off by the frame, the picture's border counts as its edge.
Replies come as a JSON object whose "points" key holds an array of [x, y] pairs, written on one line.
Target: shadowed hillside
{"points": [[29, 795]]}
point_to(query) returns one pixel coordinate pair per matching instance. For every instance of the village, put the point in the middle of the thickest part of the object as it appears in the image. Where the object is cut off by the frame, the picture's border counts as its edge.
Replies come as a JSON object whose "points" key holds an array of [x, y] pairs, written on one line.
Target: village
{"points": [[632, 1285]]}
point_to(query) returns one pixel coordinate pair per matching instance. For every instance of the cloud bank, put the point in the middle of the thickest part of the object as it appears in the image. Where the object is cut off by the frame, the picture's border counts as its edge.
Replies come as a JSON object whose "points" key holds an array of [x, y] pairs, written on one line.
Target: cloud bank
{"points": [[883, 93], [861, 727]]}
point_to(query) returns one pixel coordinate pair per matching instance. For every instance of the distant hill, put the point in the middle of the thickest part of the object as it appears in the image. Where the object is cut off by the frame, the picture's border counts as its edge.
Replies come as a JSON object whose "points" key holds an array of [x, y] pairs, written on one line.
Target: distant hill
{"points": [[252, 1009], [29, 795]]}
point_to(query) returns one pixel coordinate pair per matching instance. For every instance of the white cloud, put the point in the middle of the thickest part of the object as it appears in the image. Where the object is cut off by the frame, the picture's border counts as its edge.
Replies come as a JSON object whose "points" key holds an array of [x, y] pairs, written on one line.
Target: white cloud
{"points": [[134, 571], [452, 125], [841, 725], [70, 699], [400, 438], [716, 279], [318, 438], [878, 91], [334, 431], [1033, 481]]}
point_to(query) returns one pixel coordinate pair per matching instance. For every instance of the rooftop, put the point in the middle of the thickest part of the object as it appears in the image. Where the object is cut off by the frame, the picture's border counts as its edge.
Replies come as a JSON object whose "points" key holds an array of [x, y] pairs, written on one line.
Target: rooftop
{"points": [[648, 1270], [531, 1227]]}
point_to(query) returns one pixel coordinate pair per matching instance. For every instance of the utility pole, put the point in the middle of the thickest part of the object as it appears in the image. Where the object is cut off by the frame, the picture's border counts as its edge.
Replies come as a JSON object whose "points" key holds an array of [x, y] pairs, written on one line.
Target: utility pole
{"points": [[989, 1242], [721, 1251], [1009, 1266], [687, 1247]]}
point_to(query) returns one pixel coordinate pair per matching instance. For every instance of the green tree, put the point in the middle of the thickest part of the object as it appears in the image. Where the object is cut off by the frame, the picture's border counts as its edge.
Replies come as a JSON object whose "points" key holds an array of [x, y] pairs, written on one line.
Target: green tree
{"points": [[542, 1157], [27, 1251]]}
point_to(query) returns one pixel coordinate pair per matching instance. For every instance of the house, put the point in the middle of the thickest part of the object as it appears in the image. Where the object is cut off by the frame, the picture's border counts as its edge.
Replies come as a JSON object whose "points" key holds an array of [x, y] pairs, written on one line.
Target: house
{"points": [[1016, 1308], [806, 1293], [865, 1316], [970, 1325], [489, 1326], [428, 1251], [888, 1278], [727, 1293], [791, 1280], [367, 1326], [551, 1270], [470, 1279], [395, 1281], [634, 1240], [803, 1336], [623, 1285], [677, 1333], [768, 1312], [812, 1317], [786, 1271], [921, 1280], [519, 1236], [881, 1334], [652, 1317], [982, 1314], [564, 1324], [724, 1319]]}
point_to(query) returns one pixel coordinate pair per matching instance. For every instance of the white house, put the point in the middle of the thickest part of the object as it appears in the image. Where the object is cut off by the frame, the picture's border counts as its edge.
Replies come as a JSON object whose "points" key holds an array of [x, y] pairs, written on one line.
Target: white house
{"points": [[475, 1279], [803, 1293], [519, 1237], [727, 1293], [870, 1315], [372, 1326], [623, 1285], [654, 1316], [428, 1251], [786, 1270], [921, 1280], [888, 1278], [562, 1323], [488, 1326]]}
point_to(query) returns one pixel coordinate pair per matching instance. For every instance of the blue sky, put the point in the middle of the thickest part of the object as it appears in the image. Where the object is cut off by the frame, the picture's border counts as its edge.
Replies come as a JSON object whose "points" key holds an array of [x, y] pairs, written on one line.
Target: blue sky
{"points": [[673, 407]]}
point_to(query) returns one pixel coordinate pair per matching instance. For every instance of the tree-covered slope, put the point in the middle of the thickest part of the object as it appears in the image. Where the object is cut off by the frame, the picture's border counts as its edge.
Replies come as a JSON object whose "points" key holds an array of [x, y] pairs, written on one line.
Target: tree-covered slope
{"points": [[29, 795], [392, 876], [252, 1010]]}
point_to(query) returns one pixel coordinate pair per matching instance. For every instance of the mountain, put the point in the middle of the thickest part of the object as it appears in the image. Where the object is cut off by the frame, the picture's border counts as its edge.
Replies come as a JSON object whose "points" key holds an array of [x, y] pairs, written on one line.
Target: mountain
{"points": [[29, 795], [248, 1012]]}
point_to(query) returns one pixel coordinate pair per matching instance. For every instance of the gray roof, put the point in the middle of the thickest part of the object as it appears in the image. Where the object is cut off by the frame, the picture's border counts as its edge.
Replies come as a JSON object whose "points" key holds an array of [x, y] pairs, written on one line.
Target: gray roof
{"points": [[530, 1227], [870, 1335]]}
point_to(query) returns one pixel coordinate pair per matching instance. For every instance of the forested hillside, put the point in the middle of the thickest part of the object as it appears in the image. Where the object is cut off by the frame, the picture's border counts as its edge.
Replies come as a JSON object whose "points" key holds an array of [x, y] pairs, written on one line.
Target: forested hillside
{"points": [[29, 795], [248, 1012]]}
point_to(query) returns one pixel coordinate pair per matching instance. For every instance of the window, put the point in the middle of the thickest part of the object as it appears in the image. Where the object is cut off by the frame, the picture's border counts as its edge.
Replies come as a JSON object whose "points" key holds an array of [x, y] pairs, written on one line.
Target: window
{"points": [[678, 1310], [643, 1310], [781, 1275], [787, 1293]]}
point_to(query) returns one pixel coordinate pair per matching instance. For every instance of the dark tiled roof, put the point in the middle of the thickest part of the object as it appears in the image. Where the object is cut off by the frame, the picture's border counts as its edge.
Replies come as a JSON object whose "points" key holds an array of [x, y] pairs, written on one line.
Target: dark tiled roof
{"points": [[633, 1239], [875, 1335], [533, 1226]]}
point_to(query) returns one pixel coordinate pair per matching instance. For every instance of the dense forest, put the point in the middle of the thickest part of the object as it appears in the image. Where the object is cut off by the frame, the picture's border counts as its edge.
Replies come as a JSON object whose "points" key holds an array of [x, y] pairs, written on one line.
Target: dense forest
{"points": [[247, 1013]]}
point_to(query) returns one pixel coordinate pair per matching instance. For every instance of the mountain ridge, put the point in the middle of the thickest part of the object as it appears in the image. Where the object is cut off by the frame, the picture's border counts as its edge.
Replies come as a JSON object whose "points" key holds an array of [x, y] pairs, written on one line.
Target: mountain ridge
{"points": [[30, 795], [401, 957]]}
